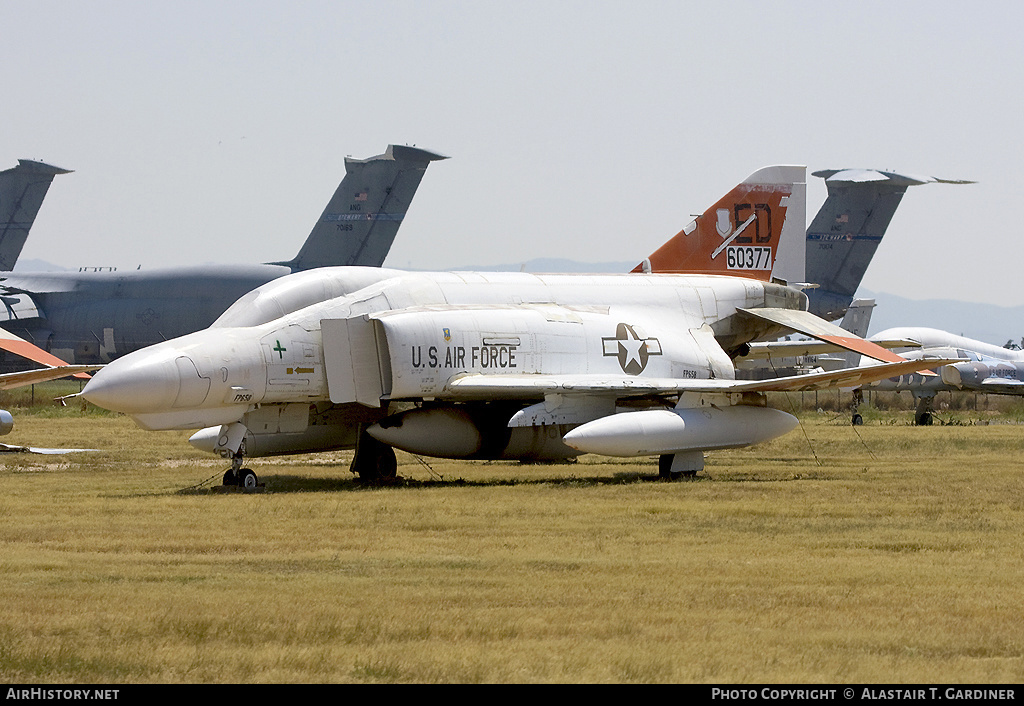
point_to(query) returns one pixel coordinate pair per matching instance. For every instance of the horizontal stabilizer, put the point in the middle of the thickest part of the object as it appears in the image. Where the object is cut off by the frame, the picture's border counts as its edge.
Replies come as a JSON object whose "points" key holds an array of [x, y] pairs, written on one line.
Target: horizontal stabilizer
{"points": [[20, 347], [860, 176], [9, 381], [811, 325]]}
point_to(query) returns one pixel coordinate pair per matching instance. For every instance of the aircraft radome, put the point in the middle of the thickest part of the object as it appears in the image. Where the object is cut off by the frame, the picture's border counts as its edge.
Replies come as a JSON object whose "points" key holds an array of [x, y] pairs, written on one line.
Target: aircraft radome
{"points": [[500, 365], [93, 317]]}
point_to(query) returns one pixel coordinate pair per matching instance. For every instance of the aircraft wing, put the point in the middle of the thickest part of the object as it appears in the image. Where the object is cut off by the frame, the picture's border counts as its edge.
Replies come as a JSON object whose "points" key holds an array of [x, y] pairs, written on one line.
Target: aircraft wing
{"points": [[20, 347], [533, 386], [9, 381]]}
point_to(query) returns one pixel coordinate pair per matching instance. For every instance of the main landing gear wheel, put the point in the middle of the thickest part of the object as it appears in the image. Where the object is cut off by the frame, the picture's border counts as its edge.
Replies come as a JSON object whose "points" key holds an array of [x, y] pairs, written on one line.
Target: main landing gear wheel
{"points": [[247, 479], [858, 420], [374, 461], [665, 468], [243, 478]]}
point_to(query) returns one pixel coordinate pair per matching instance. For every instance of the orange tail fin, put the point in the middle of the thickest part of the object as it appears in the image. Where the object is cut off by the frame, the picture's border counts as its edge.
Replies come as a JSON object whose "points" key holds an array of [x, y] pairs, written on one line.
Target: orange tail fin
{"points": [[756, 230]]}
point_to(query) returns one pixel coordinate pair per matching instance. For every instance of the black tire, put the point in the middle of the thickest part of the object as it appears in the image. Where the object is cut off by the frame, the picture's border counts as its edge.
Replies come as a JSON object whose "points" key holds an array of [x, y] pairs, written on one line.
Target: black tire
{"points": [[857, 420], [665, 466], [375, 462], [247, 479]]}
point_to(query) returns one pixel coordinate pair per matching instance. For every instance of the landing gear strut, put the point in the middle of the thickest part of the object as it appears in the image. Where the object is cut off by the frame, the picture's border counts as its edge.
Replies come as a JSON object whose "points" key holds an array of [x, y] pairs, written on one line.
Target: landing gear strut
{"points": [[858, 400], [923, 413], [238, 476]]}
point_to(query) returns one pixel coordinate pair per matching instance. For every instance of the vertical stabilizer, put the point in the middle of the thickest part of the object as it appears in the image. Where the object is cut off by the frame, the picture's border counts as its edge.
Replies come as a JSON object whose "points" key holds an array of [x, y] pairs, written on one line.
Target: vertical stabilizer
{"points": [[22, 190], [857, 320], [756, 230], [362, 218], [847, 230]]}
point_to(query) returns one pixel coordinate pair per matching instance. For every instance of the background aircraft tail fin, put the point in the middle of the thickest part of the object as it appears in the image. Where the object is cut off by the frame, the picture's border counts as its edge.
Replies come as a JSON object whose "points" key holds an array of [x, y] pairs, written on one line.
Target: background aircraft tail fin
{"points": [[858, 317], [847, 230], [756, 230], [362, 218], [22, 189], [857, 320]]}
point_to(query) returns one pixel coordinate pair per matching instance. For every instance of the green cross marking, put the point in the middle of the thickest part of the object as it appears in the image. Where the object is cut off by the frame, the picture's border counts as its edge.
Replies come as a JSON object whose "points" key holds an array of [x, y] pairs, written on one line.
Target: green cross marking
{"points": [[279, 350]]}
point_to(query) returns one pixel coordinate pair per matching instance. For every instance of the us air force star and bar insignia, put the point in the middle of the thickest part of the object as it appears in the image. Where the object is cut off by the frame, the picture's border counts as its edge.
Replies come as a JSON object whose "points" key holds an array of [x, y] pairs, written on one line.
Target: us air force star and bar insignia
{"points": [[631, 350]]}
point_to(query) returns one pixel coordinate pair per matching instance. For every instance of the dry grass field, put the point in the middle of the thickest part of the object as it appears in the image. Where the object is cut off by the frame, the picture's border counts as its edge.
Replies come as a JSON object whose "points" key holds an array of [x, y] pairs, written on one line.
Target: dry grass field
{"points": [[883, 553]]}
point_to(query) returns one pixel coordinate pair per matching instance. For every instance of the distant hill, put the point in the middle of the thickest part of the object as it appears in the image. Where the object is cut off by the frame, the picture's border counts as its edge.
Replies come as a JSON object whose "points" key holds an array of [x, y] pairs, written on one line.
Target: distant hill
{"points": [[984, 322], [23, 265]]}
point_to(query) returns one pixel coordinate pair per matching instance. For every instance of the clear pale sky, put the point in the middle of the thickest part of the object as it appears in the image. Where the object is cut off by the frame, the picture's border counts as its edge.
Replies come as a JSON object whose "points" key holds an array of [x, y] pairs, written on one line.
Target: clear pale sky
{"points": [[216, 131]]}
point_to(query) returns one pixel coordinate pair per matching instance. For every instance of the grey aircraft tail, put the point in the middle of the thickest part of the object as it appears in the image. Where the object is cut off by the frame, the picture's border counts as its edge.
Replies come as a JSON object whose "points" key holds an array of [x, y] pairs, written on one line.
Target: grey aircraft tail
{"points": [[362, 218], [22, 189], [857, 320], [846, 231]]}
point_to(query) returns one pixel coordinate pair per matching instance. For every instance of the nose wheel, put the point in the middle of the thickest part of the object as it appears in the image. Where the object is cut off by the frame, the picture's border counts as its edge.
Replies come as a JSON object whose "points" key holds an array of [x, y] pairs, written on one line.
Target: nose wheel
{"points": [[243, 478]]}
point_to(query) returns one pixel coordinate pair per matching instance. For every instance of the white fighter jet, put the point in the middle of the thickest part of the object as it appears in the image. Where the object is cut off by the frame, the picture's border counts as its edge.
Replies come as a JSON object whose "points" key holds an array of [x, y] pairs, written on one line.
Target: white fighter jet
{"points": [[501, 365]]}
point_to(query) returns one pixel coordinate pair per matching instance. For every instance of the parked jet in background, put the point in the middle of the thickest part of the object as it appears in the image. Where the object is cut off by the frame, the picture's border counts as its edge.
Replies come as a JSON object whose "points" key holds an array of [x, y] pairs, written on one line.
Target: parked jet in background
{"points": [[22, 189], [93, 317], [986, 368], [495, 365]]}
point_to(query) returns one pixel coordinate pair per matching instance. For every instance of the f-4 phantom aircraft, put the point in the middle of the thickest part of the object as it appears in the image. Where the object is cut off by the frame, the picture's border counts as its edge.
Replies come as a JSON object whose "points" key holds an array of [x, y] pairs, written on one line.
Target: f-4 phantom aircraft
{"points": [[93, 317], [496, 365], [22, 190]]}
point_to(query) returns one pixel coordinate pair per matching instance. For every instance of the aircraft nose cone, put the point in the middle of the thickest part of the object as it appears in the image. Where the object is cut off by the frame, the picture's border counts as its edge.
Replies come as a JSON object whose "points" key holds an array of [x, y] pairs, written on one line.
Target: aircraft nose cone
{"points": [[135, 384]]}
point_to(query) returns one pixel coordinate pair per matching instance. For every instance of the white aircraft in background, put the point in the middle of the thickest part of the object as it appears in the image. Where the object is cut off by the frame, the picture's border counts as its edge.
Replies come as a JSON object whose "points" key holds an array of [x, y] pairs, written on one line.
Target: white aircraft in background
{"points": [[984, 368], [500, 365]]}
